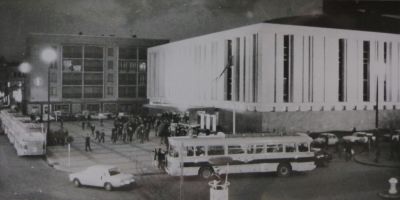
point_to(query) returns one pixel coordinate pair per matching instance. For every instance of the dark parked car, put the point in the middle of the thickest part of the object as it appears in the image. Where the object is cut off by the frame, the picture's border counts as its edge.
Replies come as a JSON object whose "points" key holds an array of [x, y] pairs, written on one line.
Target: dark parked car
{"points": [[65, 116]]}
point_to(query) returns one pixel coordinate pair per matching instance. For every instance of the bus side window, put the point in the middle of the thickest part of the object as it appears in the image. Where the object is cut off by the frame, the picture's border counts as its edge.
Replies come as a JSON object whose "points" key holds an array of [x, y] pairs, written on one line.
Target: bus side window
{"points": [[200, 151], [259, 148], [271, 148], [290, 147], [235, 149], [250, 149], [190, 151], [303, 147], [274, 148], [216, 150]]}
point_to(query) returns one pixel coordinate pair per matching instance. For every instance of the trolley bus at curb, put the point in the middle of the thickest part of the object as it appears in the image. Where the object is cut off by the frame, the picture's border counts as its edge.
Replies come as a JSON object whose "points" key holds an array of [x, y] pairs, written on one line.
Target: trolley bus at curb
{"points": [[27, 138], [249, 154]]}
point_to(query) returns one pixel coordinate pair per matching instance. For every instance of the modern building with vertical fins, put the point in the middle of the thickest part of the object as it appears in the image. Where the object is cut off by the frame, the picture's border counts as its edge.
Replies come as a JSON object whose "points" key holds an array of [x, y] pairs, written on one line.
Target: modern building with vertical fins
{"points": [[94, 73], [274, 76]]}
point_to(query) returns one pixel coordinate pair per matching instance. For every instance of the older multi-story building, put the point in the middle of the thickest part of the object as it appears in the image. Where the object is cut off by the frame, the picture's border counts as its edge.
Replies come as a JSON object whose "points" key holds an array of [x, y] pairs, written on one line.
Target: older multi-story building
{"points": [[282, 76], [94, 73]]}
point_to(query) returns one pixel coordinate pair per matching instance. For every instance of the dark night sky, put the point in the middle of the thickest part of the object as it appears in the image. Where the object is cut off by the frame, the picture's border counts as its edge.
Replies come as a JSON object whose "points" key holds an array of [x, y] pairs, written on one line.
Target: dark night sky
{"points": [[166, 19]]}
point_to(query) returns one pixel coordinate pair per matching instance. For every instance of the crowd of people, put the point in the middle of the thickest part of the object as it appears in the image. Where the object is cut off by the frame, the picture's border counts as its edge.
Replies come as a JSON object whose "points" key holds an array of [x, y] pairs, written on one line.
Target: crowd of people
{"points": [[134, 128]]}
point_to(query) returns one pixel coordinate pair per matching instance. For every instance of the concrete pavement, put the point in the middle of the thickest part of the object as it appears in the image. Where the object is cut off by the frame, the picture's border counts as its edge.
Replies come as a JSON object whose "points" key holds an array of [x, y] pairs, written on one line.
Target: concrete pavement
{"points": [[369, 158], [135, 158]]}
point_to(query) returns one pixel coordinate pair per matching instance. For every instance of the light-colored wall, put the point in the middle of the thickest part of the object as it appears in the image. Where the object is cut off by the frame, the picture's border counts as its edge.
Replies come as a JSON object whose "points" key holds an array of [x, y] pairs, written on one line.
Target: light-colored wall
{"points": [[184, 73]]}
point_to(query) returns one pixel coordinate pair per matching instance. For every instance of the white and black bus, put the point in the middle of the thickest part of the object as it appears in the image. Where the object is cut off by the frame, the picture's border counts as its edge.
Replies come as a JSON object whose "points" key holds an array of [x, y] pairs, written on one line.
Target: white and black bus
{"points": [[281, 154]]}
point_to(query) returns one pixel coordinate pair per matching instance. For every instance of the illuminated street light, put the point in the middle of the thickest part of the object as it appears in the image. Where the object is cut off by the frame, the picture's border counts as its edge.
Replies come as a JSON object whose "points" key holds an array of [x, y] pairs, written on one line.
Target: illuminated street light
{"points": [[48, 55], [25, 67]]}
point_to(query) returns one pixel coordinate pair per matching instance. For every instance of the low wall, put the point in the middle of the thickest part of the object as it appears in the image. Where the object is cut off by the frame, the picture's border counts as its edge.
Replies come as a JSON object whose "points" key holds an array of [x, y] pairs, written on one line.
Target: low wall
{"points": [[314, 121]]}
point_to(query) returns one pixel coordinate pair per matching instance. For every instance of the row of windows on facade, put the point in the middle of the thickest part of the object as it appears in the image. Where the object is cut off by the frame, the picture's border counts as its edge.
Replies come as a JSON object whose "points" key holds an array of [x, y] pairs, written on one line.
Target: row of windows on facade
{"points": [[96, 52], [96, 107], [233, 92], [97, 92], [97, 79], [85, 65], [288, 47]]}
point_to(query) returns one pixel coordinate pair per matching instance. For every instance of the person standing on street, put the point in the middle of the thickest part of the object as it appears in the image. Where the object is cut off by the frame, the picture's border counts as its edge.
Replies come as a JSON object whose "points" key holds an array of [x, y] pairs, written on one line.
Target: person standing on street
{"points": [[83, 125], [102, 136], [87, 143], [97, 138], [92, 128]]}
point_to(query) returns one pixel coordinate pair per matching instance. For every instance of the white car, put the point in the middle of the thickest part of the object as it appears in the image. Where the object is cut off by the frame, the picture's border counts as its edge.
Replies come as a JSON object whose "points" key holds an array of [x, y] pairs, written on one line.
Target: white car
{"points": [[361, 137], [99, 116], [106, 176], [332, 138], [44, 118]]}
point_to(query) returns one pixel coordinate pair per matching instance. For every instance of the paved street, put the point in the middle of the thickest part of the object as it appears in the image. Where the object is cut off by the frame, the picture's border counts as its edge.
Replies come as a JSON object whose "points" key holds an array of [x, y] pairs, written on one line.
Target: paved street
{"points": [[135, 158], [31, 178]]}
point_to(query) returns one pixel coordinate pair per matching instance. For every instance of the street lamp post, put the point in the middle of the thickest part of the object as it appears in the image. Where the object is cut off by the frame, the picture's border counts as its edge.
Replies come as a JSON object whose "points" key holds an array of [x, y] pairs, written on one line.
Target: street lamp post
{"points": [[48, 55]]}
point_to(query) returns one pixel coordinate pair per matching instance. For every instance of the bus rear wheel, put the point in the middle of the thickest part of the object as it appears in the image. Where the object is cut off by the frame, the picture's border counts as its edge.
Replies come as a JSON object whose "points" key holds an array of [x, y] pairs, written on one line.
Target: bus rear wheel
{"points": [[284, 170], [205, 172]]}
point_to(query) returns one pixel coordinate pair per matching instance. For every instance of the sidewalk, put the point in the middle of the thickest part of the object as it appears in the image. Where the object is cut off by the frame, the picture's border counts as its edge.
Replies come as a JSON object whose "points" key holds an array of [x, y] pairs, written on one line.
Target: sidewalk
{"points": [[134, 158], [368, 158]]}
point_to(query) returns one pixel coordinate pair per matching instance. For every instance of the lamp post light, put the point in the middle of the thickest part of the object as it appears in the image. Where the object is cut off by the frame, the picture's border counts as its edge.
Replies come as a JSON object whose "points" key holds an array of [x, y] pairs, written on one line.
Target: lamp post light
{"points": [[48, 56]]}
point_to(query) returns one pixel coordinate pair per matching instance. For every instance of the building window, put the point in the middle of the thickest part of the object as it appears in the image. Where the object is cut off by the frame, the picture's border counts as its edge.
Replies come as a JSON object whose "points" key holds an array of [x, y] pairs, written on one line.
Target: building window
{"points": [[110, 52], [72, 79], [72, 52], [127, 53], [93, 65], [53, 91], [228, 68], [53, 65], [366, 72], [127, 79], [93, 79], [110, 78], [142, 53], [311, 69], [72, 65], [127, 91], [142, 91], [255, 67], [110, 65], [110, 91], [342, 70], [93, 92], [288, 68], [72, 92], [53, 77], [385, 52], [93, 52]]}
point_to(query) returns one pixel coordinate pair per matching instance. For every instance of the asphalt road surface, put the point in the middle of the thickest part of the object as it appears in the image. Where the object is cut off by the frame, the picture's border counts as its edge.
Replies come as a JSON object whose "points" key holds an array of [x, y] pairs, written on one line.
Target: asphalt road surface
{"points": [[31, 178]]}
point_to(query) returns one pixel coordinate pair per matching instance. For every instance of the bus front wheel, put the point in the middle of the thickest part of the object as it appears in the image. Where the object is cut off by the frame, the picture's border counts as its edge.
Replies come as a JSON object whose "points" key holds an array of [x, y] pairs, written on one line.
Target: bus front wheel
{"points": [[284, 169], [205, 172]]}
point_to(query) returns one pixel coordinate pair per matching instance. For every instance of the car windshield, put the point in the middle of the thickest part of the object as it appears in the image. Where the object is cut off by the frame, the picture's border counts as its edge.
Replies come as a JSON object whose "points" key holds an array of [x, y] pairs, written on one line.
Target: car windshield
{"points": [[114, 172]]}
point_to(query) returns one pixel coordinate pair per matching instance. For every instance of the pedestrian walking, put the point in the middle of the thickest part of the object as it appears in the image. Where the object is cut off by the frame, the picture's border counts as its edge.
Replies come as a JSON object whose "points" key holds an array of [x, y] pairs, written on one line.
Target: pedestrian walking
{"points": [[130, 133], [393, 142], [377, 154], [114, 135], [92, 128], [83, 125], [161, 158], [61, 123], [348, 150], [102, 136], [97, 136], [87, 143]]}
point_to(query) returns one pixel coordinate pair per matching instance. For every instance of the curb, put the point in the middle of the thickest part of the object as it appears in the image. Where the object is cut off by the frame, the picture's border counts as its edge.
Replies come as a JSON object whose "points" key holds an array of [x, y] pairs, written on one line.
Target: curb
{"points": [[357, 160]]}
